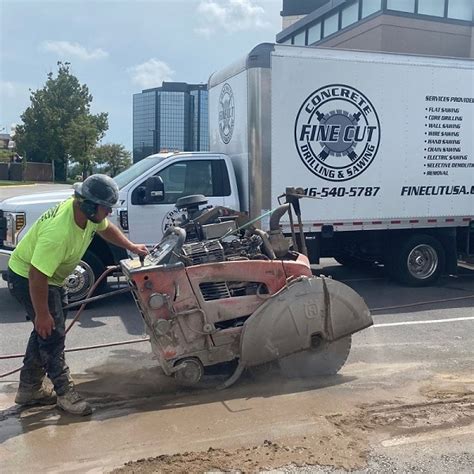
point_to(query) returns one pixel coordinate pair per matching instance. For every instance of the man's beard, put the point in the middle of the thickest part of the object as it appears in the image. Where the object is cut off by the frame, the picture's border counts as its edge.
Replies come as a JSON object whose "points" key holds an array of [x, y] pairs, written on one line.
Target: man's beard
{"points": [[95, 219]]}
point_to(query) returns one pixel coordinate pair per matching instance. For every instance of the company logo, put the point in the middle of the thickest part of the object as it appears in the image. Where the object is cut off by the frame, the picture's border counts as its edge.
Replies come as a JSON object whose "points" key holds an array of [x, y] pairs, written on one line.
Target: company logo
{"points": [[173, 218], [337, 132], [226, 113]]}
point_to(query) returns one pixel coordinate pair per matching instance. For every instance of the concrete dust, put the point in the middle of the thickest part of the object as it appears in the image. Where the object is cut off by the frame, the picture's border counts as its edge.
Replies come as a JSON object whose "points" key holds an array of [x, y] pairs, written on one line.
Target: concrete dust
{"points": [[134, 376], [339, 451], [340, 440], [397, 419], [261, 424], [446, 386]]}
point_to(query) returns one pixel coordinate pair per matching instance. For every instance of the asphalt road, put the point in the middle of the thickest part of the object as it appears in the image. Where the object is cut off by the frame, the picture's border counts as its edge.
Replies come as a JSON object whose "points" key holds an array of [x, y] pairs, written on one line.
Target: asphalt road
{"points": [[403, 401], [19, 190]]}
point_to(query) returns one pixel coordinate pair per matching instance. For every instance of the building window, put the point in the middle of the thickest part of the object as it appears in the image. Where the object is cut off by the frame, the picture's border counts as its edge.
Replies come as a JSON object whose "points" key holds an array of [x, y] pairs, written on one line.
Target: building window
{"points": [[401, 5], [299, 39], [350, 15], [331, 24], [460, 10], [370, 6], [431, 7], [314, 33]]}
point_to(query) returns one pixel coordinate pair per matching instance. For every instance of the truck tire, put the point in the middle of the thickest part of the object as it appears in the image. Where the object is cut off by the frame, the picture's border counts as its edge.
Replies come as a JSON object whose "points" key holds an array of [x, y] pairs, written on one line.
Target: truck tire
{"points": [[84, 276], [419, 261], [346, 260], [327, 359]]}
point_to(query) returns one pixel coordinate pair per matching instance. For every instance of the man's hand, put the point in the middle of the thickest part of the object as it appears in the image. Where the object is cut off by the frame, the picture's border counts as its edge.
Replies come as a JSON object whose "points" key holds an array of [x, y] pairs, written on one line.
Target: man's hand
{"points": [[113, 235], [38, 283], [139, 249], [44, 325]]}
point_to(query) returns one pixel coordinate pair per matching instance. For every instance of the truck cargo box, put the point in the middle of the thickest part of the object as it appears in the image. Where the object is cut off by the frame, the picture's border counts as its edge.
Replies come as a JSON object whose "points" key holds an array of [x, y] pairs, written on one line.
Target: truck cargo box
{"points": [[383, 139]]}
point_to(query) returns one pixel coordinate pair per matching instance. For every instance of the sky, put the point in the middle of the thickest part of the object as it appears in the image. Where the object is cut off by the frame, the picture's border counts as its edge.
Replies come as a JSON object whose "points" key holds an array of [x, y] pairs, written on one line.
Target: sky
{"points": [[120, 47]]}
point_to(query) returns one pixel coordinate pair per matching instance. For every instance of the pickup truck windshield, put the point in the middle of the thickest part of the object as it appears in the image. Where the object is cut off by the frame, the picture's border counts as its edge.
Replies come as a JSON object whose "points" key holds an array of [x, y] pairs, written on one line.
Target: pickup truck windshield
{"points": [[136, 170]]}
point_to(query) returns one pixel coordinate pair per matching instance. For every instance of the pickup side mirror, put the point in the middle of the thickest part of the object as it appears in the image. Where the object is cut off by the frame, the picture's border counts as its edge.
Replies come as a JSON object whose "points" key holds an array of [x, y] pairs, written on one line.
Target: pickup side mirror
{"points": [[154, 190]]}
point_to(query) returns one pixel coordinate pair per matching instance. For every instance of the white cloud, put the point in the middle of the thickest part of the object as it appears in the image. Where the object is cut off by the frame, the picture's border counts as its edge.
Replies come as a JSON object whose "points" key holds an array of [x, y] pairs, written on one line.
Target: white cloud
{"points": [[66, 49], [11, 90], [151, 73], [230, 16], [7, 88], [14, 99]]}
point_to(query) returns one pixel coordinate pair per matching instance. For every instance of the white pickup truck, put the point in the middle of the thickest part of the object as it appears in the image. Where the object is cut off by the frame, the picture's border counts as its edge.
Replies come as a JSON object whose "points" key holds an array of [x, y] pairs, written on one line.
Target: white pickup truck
{"points": [[142, 219], [383, 140]]}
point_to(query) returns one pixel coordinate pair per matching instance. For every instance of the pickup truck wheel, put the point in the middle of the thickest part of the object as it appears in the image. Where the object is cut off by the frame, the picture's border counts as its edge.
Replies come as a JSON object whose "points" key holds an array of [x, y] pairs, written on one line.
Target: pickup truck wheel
{"points": [[346, 260], [84, 276], [419, 261]]}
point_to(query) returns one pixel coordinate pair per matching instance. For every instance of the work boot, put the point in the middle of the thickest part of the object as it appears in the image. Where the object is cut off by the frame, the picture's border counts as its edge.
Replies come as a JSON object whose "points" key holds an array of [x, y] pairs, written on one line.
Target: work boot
{"points": [[35, 395], [71, 402]]}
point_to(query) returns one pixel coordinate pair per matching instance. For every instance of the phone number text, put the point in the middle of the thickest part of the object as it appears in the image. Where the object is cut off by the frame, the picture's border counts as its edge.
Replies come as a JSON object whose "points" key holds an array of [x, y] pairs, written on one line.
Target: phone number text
{"points": [[355, 191]]}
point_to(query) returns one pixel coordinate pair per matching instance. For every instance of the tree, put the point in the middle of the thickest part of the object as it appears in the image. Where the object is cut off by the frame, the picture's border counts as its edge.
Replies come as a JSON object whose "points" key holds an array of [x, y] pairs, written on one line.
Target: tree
{"points": [[74, 170], [61, 106], [114, 156], [80, 139]]}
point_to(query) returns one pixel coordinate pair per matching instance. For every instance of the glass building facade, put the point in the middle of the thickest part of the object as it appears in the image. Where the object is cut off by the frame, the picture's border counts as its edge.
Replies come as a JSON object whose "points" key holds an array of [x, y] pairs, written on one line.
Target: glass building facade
{"points": [[144, 118], [173, 117], [332, 17]]}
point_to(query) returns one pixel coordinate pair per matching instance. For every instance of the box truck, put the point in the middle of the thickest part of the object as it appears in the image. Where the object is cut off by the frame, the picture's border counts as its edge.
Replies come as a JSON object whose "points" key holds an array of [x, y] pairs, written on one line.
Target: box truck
{"points": [[384, 140], [382, 145]]}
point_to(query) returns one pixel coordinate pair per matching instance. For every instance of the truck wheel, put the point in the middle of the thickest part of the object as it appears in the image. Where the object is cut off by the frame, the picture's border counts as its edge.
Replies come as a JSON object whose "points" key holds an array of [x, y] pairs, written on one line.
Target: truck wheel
{"points": [[326, 358], [419, 261], [347, 260], [84, 276]]}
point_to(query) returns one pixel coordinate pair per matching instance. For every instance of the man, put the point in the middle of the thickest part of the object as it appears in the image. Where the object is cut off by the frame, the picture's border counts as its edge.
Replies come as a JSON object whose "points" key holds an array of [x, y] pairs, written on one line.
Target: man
{"points": [[38, 266]]}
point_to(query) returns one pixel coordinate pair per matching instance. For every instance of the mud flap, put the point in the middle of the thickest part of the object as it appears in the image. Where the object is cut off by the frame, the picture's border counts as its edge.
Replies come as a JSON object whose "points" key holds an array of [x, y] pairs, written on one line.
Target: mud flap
{"points": [[286, 322]]}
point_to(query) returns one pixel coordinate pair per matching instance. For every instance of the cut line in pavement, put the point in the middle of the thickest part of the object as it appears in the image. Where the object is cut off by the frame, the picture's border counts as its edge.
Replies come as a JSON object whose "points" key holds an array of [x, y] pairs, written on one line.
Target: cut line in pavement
{"points": [[429, 321]]}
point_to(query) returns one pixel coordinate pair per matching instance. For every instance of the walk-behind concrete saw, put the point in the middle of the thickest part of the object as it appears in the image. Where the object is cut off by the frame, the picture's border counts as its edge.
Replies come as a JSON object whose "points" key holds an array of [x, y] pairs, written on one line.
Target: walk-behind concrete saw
{"points": [[216, 289]]}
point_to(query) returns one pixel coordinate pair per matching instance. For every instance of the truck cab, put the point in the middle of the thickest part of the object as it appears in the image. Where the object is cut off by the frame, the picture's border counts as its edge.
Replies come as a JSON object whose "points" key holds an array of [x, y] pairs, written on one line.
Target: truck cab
{"points": [[142, 220]]}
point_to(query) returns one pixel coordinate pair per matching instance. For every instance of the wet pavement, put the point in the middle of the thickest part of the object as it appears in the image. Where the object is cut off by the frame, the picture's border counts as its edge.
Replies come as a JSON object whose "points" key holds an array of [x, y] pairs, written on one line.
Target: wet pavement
{"points": [[404, 401]]}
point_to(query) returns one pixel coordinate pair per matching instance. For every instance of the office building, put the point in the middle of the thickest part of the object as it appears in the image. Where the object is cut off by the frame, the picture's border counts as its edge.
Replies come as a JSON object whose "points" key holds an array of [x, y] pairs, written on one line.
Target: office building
{"points": [[428, 27], [173, 117]]}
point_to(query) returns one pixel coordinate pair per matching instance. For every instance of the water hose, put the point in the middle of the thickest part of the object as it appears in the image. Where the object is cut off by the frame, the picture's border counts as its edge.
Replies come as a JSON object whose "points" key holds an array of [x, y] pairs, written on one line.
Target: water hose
{"points": [[83, 304]]}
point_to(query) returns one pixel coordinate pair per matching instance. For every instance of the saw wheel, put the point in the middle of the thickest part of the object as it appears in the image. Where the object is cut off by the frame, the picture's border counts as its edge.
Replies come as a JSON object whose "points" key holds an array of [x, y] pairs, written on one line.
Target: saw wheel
{"points": [[325, 358]]}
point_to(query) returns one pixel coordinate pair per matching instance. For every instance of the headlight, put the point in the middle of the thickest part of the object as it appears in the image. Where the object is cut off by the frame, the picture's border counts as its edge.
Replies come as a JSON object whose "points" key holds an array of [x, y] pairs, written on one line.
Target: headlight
{"points": [[16, 221], [123, 218]]}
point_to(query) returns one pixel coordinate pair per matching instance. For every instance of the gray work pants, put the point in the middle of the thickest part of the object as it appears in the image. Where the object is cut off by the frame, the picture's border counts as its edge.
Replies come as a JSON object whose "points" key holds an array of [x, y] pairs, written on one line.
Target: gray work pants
{"points": [[43, 356]]}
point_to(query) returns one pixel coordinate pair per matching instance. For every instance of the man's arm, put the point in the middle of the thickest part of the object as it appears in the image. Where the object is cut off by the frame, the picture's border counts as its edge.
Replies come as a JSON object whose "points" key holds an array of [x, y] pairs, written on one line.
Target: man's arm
{"points": [[113, 235], [38, 283]]}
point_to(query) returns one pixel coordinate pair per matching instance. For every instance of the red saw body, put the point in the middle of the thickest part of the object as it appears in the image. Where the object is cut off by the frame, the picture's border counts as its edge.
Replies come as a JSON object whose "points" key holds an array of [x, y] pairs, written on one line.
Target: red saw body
{"points": [[226, 297]]}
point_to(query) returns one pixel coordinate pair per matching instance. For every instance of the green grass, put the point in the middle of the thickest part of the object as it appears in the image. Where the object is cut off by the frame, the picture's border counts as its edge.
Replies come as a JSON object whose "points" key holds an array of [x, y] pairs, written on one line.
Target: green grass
{"points": [[14, 183]]}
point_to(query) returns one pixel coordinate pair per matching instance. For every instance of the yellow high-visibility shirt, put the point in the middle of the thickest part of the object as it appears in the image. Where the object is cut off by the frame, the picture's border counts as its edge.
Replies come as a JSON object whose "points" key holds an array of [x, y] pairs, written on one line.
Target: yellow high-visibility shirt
{"points": [[54, 244]]}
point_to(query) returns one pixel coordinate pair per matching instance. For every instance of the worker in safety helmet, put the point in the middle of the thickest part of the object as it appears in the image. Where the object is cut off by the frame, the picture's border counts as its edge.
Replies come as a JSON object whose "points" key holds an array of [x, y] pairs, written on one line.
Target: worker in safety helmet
{"points": [[47, 254]]}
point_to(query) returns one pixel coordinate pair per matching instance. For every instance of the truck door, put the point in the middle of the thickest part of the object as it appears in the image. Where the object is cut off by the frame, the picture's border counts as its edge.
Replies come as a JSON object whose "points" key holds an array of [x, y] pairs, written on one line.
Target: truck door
{"points": [[209, 176]]}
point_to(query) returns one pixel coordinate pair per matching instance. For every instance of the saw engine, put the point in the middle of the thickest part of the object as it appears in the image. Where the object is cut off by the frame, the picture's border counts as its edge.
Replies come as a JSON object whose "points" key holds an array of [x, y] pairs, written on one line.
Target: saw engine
{"points": [[216, 289], [209, 251]]}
